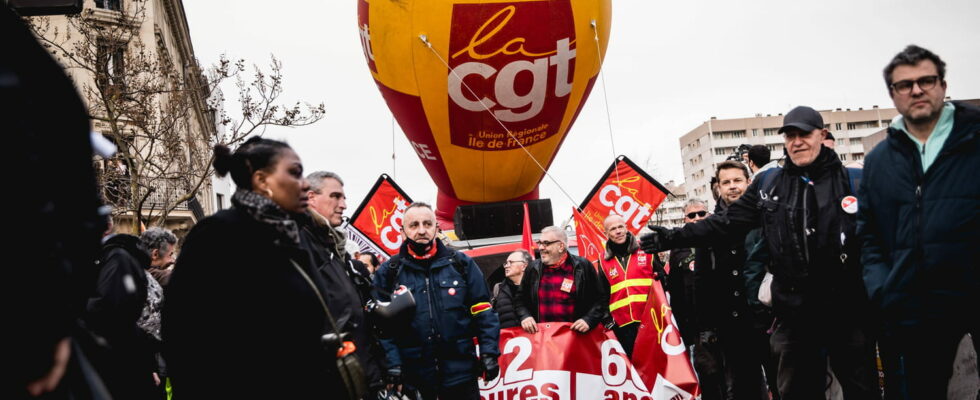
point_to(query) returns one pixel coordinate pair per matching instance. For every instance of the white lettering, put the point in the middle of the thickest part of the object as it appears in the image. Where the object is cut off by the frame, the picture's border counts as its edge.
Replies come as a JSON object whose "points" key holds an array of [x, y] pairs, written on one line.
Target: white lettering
{"points": [[423, 151], [561, 60], [612, 360], [524, 348], [503, 84], [504, 89], [603, 198], [366, 43]]}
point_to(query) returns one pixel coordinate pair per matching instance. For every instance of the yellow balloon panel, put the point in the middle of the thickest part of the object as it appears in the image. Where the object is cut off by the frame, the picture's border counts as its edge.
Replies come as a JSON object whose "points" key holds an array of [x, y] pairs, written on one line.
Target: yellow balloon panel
{"points": [[470, 82]]}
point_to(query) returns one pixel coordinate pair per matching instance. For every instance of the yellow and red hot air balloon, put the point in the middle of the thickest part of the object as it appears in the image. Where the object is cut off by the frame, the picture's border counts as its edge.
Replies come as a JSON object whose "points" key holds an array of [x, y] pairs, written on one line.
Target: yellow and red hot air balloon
{"points": [[459, 74]]}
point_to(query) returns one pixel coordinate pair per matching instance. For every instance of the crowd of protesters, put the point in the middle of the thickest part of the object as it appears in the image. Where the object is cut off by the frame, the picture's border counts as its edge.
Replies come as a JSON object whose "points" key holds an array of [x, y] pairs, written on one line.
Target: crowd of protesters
{"points": [[800, 266]]}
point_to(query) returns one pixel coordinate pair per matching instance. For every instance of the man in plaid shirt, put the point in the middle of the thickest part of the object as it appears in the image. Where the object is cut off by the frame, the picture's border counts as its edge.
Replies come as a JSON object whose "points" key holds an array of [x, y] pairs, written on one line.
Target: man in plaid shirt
{"points": [[560, 287]]}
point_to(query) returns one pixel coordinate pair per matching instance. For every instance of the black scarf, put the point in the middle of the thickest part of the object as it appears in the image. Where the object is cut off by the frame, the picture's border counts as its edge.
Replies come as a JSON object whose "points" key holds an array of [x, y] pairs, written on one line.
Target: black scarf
{"points": [[264, 210]]}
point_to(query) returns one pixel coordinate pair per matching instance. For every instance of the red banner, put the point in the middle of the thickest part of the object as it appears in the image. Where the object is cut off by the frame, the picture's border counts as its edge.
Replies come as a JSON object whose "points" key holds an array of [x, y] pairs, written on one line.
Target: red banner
{"points": [[591, 241], [379, 217], [557, 363], [527, 242], [626, 190], [660, 354]]}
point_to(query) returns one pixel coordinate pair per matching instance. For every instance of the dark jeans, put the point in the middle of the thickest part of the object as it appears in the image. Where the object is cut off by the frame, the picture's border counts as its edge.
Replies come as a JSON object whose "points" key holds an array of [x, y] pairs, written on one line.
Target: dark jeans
{"points": [[803, 343], [918, 360], [729, 364], [627, 337]]}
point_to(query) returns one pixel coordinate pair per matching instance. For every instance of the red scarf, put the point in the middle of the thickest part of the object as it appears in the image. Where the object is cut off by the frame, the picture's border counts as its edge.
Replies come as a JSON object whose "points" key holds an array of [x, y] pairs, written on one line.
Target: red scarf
{"points": [[427, 255], [561, 261]]}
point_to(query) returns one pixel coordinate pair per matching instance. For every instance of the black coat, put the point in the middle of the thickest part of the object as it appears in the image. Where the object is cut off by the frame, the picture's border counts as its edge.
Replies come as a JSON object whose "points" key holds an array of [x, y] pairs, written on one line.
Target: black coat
{"points": [[719, 288], [921, 232], [46, 126], [503, 304], [680, 285], [128, 364], [591, 302], [239, 321], [810, 272], [342, 295]]}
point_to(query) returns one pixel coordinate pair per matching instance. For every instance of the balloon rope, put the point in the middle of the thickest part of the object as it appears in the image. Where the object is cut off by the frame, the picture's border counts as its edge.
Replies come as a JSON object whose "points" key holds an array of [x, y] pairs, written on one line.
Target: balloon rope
{"points": [[425, 40], [602, 77], [393, 172]]}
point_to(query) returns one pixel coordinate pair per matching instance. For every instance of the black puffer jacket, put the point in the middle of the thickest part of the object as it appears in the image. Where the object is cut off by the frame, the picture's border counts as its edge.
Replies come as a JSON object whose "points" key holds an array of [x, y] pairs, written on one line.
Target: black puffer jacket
{"points": [[591, 301], [921, 231], [810, 272], [503, 303]]}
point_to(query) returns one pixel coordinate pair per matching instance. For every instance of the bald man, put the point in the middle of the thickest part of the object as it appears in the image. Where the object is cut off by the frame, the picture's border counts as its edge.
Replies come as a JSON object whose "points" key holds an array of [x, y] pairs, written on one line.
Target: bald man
{"points": [[627, 273]]}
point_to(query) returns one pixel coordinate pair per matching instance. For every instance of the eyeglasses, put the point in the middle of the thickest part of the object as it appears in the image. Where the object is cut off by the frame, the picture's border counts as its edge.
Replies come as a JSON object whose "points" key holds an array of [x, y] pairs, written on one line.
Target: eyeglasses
{"points": [[925, 83], [512, 262], [547, 243], [701, 213]]}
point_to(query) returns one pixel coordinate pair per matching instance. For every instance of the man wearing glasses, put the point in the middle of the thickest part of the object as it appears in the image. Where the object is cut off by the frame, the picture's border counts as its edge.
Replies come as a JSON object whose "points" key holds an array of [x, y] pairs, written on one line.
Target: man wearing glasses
{"points": [[807, 211], [919, 221], [560, 287], [504, 292]]}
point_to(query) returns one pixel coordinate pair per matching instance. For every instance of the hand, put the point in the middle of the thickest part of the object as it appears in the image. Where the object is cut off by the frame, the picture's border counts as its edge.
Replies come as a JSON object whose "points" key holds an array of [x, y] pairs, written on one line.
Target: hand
{"points": [[156, 379], [394, 378], [581, 326], [49, 382], [529, 325], [655, 241], [490, 367]]}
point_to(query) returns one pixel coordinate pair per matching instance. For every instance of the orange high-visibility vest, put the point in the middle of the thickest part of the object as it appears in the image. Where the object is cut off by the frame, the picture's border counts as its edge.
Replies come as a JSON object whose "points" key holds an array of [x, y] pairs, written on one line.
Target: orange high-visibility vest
{"points": [[628, 287]]}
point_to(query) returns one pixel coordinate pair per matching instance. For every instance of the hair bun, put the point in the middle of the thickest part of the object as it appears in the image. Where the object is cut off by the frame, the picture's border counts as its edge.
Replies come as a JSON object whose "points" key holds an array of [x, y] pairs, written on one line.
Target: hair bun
{"points": [[222, 159]]}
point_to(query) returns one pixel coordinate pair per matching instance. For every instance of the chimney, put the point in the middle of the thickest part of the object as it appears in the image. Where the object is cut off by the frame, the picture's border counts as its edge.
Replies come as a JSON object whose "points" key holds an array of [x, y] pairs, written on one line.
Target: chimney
{"points": [[875, 106]]}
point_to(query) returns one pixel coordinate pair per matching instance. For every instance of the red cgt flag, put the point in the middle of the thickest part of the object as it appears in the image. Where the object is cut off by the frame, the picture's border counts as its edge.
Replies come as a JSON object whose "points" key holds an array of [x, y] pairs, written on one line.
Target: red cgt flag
{"points": [[660, 355], [527, 242], [379, 217], [627, 190], [591, 241]]}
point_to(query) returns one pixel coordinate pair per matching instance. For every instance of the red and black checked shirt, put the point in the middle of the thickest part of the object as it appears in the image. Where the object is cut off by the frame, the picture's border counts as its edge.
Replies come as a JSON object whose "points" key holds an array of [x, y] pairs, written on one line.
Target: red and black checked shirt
{"points": [[554, 304]]}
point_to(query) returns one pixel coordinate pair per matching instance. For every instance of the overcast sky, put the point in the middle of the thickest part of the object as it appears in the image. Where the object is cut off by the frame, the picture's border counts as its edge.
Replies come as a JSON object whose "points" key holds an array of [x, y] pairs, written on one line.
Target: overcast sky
{"points": [[670, 66]]}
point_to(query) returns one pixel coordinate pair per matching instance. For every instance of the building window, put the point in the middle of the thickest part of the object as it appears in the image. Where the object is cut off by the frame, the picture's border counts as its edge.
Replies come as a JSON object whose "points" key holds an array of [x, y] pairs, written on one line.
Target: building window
{"points": [[114, 5], [755, 132], [855, 141], [728, 134], [843, 157], [724, 151], [857, 156], [840, 142], [862, 125], [838, 126], [770, 131], [221, 202], [110, 65]]}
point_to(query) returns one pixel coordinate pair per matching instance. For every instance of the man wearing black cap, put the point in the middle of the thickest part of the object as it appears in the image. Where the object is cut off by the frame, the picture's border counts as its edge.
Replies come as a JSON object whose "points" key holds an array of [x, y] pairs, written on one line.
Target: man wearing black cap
{"points": [[807, 213]]}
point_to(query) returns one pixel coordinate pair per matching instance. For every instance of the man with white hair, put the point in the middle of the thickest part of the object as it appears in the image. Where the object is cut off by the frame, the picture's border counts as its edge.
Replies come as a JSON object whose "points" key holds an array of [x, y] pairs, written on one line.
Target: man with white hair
{"points": [[560, 287]]}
